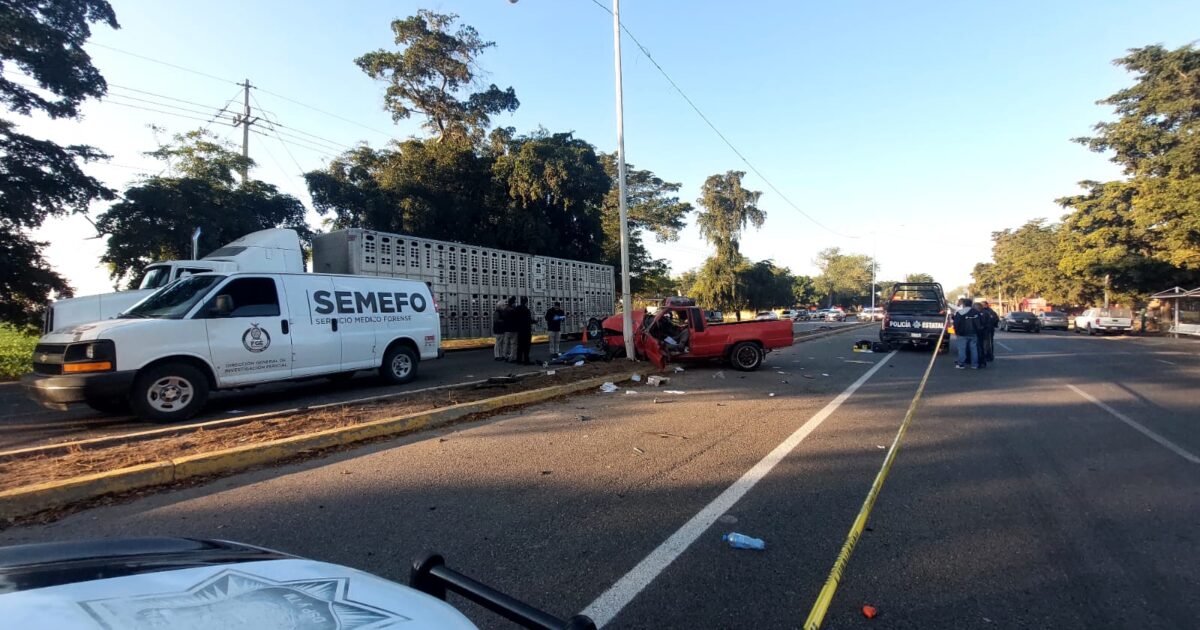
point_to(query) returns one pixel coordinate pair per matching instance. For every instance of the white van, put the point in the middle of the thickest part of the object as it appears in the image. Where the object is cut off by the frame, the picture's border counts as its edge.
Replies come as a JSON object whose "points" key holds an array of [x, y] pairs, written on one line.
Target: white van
{"points": [[214, 331]]}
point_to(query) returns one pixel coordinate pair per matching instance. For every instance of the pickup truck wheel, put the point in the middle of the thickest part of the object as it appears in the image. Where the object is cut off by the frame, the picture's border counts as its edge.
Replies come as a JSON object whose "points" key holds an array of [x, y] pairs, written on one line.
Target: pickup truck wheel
{"points": [[171, 392], [399, 365], [746, 357]]}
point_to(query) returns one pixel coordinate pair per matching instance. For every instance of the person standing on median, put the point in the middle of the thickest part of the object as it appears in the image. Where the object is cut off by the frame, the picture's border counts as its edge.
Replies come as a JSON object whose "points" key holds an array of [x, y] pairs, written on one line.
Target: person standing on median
{"points": [[991, 321], [554, 320], [966, 320], [500, 352], [523, 320], [509, 323]]}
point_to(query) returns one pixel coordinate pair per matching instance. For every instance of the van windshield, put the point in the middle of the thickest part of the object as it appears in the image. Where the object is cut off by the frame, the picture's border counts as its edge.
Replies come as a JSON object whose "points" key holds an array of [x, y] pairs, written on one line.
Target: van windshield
{"points": [[173, 301], [156, 277]]}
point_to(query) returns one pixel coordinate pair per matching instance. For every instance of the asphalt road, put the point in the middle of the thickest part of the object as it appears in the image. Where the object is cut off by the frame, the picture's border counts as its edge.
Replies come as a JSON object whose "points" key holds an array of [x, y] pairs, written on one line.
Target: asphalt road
{"points": [[1016, 502], [24, 423]]}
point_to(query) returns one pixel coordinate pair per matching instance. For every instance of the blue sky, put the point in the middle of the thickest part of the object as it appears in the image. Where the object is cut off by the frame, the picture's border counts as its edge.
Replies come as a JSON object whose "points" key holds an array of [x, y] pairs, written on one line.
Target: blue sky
{"points": [[930, 124]]}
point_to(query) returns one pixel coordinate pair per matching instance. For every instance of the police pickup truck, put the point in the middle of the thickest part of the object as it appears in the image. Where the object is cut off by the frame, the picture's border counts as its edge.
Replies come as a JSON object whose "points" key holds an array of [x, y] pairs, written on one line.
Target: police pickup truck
{"points": [[213, 331], [914, 315]]}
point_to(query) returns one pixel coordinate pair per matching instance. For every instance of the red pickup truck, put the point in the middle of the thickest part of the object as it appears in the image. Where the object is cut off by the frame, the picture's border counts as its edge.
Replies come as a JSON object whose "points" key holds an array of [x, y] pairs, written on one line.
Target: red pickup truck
{"points": [[677, 331]]}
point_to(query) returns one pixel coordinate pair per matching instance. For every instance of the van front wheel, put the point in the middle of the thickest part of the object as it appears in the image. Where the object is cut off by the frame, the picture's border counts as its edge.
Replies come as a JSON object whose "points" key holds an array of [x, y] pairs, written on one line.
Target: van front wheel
{"points": [[399, 365], [171, 392]]}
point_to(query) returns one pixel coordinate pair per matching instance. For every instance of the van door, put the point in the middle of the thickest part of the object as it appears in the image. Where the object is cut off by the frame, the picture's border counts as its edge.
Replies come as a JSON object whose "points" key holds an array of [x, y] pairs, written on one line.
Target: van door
{"points": [[316, 338], [360, 298], [248, 336]]}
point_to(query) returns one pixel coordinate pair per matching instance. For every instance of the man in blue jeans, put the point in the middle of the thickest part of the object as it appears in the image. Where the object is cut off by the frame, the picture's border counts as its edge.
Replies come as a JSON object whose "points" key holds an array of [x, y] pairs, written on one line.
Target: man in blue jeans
{"points": [[967, 327]]}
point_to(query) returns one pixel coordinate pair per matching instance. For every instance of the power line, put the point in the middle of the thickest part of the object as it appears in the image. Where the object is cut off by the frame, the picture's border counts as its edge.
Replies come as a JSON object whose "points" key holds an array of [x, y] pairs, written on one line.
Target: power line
{"points": [[157, 95], [319, 151], [157, 111], [321, 111], [276, 131], [189, 110], [224, 108], [225, 80], [724, 139], [164, 63]]}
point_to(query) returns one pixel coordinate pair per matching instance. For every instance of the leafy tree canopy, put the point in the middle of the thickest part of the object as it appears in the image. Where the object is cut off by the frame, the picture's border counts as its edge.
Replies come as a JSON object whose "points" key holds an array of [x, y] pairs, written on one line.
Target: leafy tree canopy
{"points": [[38, 178], [728, 210], [433, 73], [155, 217]]}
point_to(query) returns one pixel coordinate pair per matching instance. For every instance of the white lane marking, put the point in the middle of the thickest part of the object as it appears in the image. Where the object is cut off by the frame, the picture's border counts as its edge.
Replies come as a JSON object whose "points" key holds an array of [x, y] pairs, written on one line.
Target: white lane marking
{"points": [[1004, 345], [1166, 361], [1127, 420], [612, 601]]}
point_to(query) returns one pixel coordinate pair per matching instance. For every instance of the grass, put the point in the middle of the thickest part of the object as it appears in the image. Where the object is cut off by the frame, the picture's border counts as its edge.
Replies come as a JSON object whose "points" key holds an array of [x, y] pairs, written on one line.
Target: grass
{"points": [[16, 350]]}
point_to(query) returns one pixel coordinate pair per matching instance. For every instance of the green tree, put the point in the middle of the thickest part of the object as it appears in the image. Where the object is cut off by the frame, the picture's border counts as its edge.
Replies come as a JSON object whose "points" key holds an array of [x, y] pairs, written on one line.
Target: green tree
{"points": [[918, 277], [728, 209], [156, 215], [804, 290], [433, 73], [766, 286], [843, 275], [1133, 236], [653, 206], [38, 178], [554, 186]]}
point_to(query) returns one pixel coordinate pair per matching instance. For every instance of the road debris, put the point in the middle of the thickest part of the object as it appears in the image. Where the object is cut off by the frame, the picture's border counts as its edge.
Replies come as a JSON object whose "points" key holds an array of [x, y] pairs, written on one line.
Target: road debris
{"points": [[636, 378], [664, 434], [869, 612], [856, 361], [824, 374], [742, 541], [631, 391], [551, 372], [771, 395], [811, 378], [583, 418], [677, 392], [578, 363], [546, 472], [657, 380], [678, 369], [608, 387], [640, 451], [663, 402], [720, 374]]}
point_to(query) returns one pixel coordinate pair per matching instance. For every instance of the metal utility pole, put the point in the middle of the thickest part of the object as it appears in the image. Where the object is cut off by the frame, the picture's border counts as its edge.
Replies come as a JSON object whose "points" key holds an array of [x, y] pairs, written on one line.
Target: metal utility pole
{"points": [[245, 120], [626, 298]]}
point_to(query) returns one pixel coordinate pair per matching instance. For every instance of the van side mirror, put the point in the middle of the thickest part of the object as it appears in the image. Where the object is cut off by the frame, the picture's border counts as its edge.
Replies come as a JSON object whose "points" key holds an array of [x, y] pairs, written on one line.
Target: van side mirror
{"points": [[222, 306]]}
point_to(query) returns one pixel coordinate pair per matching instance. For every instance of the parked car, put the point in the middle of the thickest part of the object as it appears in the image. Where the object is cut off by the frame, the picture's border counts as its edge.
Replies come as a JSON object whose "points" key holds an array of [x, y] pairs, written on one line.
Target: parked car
{"points": [[1104, 320], [787, 313], [835, 314], [871, 314], [1020, 320], [766, 316], [742, 344], [1053, 319], [803, 315]]}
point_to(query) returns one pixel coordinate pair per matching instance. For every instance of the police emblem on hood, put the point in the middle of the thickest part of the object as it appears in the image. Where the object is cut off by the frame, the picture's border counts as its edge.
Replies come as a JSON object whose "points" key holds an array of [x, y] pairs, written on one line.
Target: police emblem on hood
{"points": [[255, 339], [236, 600]]}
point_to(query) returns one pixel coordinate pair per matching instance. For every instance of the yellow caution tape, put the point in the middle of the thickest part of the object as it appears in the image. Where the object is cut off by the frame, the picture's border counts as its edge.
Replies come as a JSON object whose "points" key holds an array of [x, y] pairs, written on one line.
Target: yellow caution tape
{"points": [[816, 616]]}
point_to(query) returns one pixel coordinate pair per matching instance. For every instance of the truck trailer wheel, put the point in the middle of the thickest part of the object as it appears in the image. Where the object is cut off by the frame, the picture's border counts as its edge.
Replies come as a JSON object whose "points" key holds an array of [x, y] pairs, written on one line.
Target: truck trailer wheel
{"points": [[399, 365], [746, 357], [171, 392]]}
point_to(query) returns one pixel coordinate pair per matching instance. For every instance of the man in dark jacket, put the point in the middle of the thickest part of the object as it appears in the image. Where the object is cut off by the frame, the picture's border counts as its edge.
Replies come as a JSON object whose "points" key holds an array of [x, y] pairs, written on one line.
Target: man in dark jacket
{"points": [[966, 329], [990, 321], [554, 320], [522, 320]]}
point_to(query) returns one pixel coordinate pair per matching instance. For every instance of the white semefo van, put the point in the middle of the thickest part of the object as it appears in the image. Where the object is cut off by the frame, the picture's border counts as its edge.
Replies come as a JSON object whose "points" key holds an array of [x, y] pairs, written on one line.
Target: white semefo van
{"points": [[215, 331]]}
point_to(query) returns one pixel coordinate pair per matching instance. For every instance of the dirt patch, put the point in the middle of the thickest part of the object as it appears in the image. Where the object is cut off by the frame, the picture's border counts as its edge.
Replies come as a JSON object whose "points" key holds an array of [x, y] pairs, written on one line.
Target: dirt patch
{"points": [[76, 462]]}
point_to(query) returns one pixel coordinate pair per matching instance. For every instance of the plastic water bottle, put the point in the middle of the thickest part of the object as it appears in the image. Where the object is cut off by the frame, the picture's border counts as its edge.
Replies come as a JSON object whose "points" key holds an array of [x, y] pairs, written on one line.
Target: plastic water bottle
{"points": [[742, 541]]}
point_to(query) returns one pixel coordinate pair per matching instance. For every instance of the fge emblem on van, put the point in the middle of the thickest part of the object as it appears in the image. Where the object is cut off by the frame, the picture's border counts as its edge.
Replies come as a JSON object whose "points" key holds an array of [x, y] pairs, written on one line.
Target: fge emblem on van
{"points": [[256, 339]]}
